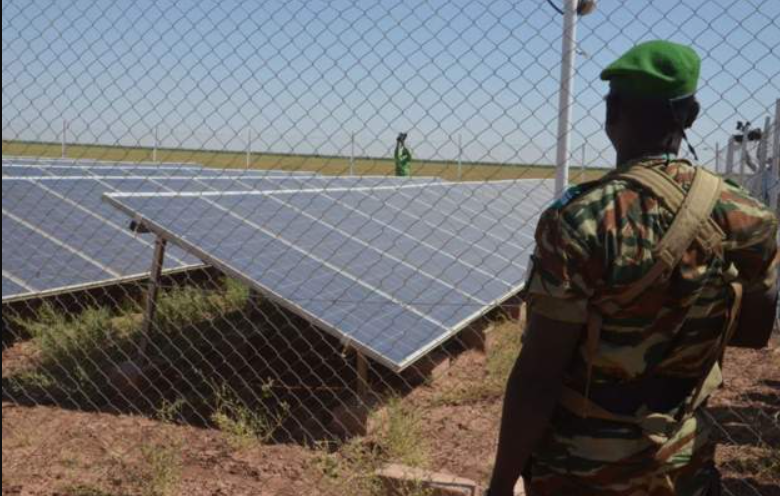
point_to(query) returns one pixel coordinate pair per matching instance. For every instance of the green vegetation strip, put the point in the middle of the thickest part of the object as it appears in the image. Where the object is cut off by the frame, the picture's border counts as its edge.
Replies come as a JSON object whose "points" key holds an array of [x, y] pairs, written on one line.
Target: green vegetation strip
{"points": [[327, 165]]}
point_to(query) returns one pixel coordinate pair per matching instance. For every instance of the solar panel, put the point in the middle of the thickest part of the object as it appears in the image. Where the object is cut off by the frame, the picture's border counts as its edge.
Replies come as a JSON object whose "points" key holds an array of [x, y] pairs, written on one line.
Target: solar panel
{"points": [[13, 169], [86, 242], [393, 270]]}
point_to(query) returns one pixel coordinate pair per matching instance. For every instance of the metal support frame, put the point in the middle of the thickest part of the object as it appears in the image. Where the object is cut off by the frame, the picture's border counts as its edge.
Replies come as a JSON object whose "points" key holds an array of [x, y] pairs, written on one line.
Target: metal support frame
{"points": [[362, 366], [569, 52], [152, 291]]}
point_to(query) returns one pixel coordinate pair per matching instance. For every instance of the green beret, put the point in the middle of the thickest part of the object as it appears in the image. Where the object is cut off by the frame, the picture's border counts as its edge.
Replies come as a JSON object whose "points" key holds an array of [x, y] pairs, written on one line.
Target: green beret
{"points": [[655, 69]]}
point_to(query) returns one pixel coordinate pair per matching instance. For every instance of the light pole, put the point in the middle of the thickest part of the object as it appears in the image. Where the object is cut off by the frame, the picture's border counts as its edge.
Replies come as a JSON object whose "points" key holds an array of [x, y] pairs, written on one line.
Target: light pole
{"points": [[572, 8]]}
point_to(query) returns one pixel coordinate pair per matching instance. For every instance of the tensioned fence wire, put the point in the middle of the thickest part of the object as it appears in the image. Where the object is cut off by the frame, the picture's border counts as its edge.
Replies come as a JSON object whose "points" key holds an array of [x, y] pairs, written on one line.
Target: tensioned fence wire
{"points": [[315, 88]]}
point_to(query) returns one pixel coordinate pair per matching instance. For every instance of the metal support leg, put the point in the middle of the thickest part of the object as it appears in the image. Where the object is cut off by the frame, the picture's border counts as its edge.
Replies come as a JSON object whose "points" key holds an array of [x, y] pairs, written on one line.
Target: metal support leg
{"points": [[363, 386], [152, 292]]}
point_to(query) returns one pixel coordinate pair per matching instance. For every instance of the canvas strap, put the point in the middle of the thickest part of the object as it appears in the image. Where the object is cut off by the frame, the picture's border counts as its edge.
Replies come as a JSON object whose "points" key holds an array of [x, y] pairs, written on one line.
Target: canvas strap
{"points": [[692, 221]]}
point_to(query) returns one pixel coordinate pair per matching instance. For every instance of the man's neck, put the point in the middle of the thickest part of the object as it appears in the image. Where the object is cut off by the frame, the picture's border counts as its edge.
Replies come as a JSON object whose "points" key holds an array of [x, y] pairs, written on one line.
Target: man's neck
{"points": [[627, 156]]}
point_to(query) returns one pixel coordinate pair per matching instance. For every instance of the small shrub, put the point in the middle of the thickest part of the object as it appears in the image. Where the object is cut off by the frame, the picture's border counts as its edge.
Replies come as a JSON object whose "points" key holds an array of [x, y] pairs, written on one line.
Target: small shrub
{"points": [[65, 340], [161, 470], [402, 438], [352, 469], [399, 439], [170, 412], [242, 425]]}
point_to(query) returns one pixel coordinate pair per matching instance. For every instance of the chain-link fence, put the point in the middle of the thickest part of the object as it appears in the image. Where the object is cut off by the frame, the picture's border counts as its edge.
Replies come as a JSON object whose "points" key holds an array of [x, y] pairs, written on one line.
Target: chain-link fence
{"points": [[309, 318]]}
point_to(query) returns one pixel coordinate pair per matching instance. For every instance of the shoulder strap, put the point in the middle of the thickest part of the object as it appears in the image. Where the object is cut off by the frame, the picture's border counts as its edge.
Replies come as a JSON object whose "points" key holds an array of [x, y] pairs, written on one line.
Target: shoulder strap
{"points": [[692, 221]]}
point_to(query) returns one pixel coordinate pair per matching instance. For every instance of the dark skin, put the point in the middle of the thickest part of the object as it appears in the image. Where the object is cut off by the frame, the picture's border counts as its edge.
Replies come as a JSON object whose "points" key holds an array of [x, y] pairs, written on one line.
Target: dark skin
{"points": [[537, 378]]}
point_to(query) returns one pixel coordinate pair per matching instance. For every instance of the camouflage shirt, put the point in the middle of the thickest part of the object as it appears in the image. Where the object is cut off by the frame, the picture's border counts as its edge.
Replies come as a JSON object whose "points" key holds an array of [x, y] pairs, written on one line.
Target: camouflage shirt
{"points": [[593, 243]]}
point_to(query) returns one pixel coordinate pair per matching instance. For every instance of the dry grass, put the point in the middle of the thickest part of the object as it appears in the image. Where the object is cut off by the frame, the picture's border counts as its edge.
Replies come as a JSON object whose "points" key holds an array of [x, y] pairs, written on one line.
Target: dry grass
{"points": [[398, 437], [245, 426], [502, 353], [72, 353]]}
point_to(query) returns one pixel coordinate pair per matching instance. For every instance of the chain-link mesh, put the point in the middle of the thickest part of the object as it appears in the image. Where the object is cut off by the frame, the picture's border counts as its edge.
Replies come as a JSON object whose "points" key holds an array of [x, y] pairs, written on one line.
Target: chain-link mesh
{"points": [[223, 385]]}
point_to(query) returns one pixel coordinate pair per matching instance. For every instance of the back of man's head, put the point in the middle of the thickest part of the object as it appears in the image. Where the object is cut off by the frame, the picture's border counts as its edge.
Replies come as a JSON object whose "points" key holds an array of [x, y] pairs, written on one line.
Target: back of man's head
{"points": [[652, 120]]}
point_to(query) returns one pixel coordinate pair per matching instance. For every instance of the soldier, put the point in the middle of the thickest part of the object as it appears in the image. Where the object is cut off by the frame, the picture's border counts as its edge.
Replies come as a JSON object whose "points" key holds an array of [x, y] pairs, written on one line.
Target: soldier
{"points": [[403, 157], [635, 291]]}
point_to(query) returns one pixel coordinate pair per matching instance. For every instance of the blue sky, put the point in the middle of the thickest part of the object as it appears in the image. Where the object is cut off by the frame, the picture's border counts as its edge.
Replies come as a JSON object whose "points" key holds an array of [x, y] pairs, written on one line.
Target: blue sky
{"points": [[305, 75]]}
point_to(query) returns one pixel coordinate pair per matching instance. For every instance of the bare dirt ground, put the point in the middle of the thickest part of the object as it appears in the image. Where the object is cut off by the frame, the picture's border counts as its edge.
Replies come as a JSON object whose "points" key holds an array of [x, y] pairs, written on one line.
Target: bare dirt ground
{"points": [[48, 450]]}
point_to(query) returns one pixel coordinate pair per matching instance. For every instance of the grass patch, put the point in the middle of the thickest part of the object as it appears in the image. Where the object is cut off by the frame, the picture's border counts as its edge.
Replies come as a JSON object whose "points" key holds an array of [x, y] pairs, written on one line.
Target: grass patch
{"points": [[400, 438], [74, 353], [160, 469], [401, 435], [187, 305], [243, 425], [501, 357]]}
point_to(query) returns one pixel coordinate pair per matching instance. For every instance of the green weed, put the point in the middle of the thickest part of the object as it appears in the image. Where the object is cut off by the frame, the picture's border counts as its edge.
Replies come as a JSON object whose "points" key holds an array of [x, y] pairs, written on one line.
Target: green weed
{"points": [[245, 426], [399, 439], [169, 412], [401, 435], [161, 470]]}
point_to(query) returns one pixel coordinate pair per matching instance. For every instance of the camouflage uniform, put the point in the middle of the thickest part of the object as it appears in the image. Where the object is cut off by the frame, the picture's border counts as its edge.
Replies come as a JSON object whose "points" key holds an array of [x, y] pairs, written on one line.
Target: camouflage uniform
{"points": [[594, 242]]}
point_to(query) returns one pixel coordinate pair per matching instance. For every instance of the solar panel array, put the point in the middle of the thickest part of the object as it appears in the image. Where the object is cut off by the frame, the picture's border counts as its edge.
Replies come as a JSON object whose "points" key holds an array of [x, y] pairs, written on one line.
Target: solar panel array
{"points": [[391, 266], [393, 270], [59, 236]]}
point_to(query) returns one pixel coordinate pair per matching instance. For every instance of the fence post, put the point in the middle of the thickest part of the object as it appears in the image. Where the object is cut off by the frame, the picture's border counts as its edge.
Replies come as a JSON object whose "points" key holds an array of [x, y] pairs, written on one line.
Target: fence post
{"points": [[565, 94], [730, 151], [352, 154], [460, 156], [64, 138], [764, 168], [248, 148], [156, 143], [743, 157]]}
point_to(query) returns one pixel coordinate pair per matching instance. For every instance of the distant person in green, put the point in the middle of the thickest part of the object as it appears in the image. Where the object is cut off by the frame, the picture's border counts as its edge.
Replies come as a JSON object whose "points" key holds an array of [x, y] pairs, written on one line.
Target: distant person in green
{"points": [[403, 157], [638, 283]]}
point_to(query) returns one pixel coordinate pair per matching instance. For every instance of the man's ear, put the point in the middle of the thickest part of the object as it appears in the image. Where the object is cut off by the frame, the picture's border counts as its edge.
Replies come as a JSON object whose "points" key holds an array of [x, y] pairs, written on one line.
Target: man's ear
{"points": [[693, 113]]}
